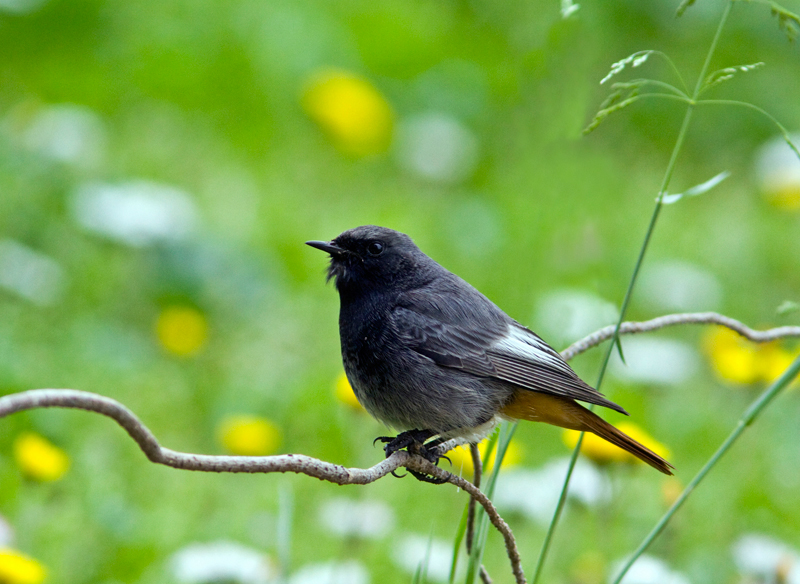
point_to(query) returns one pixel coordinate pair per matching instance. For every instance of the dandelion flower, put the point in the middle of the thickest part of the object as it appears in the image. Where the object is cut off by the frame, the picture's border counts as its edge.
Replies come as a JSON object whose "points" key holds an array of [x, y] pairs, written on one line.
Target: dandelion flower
{"points": [[39, 459], [249, 435], [17, 568], [736, 360], [182, 330], [351, 110], [775, 360]]}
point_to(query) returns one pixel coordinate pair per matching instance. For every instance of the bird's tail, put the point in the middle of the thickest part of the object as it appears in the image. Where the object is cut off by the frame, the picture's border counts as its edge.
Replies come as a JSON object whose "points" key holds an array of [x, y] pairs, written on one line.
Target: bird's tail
{"points": [[606, 431], [566, 413]]}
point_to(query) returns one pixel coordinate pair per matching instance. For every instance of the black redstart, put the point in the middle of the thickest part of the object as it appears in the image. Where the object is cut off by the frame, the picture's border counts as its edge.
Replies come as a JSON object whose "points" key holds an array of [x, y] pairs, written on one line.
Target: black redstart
{"points": [[427, 353]]}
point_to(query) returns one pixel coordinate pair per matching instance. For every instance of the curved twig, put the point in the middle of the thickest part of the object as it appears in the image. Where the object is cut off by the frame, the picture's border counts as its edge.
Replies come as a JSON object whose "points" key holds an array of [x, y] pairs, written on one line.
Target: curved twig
{"points": [[477, 465], [334, 473], [297, 463], [631, 327]]}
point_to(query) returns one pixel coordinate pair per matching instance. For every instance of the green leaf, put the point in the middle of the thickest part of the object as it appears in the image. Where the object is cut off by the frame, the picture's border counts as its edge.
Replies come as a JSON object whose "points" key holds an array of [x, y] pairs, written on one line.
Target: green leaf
{"points": [[501, 439], [667, 199], [460, 533], [788, 307], [618, 343], [421, 574]]}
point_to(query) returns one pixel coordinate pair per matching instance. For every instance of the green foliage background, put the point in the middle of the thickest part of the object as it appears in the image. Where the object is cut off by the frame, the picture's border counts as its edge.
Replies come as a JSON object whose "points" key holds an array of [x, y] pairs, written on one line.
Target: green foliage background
{"points": [[206, 97]]}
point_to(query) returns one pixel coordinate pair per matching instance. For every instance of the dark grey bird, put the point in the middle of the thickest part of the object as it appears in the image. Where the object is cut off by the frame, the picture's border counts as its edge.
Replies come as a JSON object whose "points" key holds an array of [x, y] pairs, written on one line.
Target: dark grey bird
{"points": [[426, 353]]}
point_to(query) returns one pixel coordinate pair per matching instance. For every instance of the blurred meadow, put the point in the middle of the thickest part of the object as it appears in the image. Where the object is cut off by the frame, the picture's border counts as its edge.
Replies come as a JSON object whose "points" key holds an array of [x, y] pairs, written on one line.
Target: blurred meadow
{"points": [[161, 165]]}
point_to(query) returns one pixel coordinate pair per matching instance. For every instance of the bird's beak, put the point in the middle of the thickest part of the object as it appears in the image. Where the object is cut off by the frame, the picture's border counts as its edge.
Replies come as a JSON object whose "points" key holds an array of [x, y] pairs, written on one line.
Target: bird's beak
{"points": [[328, 246]]}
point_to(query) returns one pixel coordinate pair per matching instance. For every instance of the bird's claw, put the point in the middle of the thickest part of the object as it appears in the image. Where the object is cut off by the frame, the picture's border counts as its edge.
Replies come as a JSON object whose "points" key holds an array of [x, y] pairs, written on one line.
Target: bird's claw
{"points": [[425, 478], [414, 442]]}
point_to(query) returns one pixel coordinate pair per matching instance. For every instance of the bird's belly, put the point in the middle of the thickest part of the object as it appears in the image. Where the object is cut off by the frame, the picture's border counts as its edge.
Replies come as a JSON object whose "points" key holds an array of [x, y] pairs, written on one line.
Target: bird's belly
{"points": [[409, 391]]}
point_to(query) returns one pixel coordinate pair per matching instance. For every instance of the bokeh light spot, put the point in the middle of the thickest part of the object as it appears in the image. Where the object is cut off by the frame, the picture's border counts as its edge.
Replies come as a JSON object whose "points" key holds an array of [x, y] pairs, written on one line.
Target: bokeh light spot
{"points": [[247, 435], [17, 568], [182, 330], [39, 459], [351, 110]]}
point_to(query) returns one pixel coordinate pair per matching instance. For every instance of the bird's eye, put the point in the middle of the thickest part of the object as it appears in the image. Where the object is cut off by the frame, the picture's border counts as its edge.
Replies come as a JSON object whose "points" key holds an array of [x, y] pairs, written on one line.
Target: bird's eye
{"points": [[374, 248]]}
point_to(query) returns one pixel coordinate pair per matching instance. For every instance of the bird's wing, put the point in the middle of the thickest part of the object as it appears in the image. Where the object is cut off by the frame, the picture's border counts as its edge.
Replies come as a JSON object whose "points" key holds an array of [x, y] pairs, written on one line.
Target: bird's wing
{"points": [[522, 358], [491, 346]]}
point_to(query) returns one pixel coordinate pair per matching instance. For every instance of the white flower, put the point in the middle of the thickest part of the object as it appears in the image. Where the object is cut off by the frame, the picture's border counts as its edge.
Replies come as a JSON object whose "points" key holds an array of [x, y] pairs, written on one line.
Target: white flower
{"points": [[765, 558], [30, 274], [435, 556], [351, 572], [137, 213], [650, 570], [534, 493], [221, 560], [347, 517], [6, 533], [564, 316], [437, 147], [777, 166], [680, 287], [655, 360], [67, 133]]}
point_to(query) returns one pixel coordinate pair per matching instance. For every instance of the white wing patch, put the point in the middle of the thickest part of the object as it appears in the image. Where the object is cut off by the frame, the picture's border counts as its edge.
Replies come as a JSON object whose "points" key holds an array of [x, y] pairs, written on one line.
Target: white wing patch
{"points": [[521, 343]]}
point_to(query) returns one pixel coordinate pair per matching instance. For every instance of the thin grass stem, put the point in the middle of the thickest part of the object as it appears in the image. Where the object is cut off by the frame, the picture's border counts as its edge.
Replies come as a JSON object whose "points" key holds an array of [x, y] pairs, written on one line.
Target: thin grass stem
{"points": [[662, 84], [615, 342], [747, 418], [734, 102]]}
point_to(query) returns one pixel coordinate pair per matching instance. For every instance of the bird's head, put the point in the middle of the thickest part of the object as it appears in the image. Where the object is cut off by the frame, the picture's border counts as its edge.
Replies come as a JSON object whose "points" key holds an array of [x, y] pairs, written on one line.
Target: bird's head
{"points": [[371, 258]]}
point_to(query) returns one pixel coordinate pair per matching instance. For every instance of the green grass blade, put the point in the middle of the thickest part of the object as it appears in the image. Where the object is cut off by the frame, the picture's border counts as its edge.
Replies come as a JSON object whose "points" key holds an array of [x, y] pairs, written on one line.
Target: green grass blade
{"points": [[501, 440], [460, 533], [747, 418], [628, 294]]}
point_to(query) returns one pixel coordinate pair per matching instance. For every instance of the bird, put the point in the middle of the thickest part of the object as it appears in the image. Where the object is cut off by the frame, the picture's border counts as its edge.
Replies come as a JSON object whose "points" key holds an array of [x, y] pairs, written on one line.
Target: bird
{"points": [[428, 354]]}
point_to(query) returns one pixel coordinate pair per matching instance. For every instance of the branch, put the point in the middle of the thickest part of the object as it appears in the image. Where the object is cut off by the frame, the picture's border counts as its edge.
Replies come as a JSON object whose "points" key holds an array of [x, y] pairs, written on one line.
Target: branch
{"points": [[334, 473], [628, 328], [297, 463], [476, 480]]}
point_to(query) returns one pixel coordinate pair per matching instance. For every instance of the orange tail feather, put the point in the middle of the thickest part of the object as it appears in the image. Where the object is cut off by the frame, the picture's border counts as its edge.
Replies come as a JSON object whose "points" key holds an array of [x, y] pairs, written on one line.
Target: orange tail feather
{"points": [[566, 413]]}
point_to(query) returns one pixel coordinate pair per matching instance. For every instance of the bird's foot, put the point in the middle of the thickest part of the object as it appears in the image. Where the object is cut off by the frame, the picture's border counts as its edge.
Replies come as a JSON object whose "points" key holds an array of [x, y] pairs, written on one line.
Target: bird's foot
{"points": [[414, 442]]}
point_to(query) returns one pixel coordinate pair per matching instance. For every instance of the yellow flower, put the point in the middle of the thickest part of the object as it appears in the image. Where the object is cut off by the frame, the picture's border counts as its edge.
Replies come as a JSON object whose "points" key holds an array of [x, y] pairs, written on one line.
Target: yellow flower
{"points": [[775, 360], [732, 357], [462, 458], [344, 393], [39, 459], [351, 110], [182, 330], [249, 435], [785, 197], [737, 360], [602, 451], [17, 568]]}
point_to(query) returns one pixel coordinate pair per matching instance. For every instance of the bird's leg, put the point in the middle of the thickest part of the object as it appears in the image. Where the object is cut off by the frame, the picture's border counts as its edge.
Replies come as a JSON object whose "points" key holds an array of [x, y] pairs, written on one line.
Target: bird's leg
{"points": [[414, 442], [404, 440]]}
